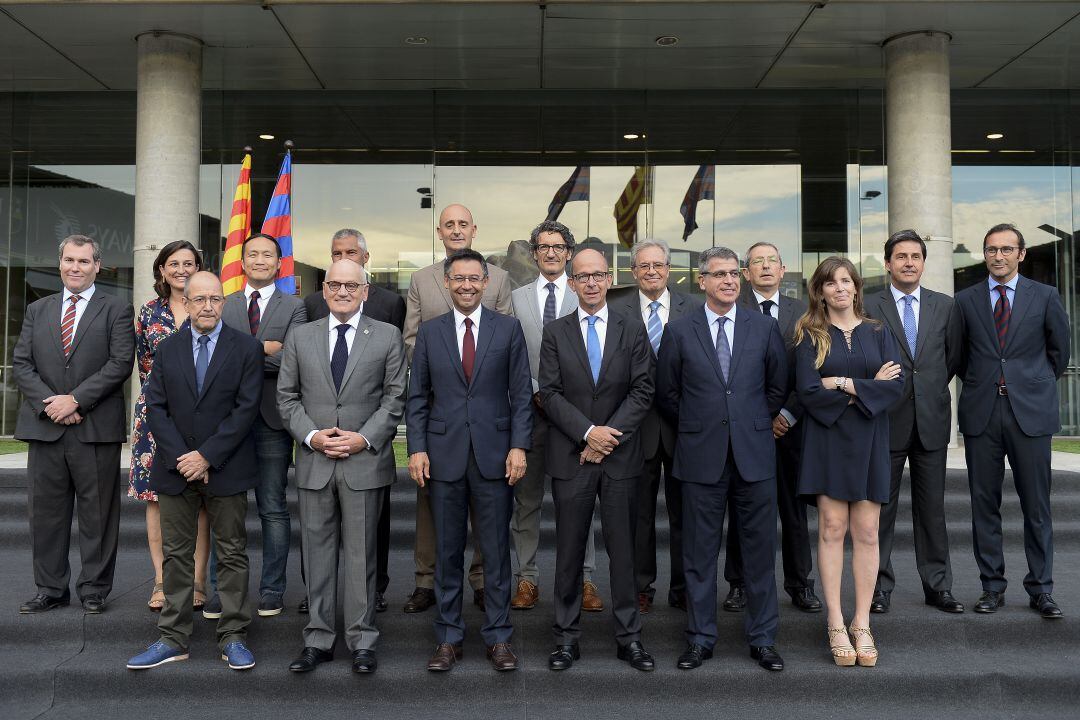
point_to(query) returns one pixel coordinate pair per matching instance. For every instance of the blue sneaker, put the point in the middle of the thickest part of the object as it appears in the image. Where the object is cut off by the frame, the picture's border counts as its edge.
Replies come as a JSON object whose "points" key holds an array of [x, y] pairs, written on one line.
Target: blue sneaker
{"points": [[239, 657], [157, 654]]}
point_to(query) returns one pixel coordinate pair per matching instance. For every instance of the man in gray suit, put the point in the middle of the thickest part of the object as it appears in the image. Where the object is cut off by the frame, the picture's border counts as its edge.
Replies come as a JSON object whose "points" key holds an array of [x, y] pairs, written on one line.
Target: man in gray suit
{"points": [[341, 392], [428, 299], [75, 351], [926, 325], [268, 315]]}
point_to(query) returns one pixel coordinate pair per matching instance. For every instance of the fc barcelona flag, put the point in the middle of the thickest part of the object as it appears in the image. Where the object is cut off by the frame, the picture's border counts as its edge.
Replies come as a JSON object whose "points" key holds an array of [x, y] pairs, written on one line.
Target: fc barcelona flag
{"points": [[576, 188], [232, 272], [702, 187], [278, 224], [626, 207]]}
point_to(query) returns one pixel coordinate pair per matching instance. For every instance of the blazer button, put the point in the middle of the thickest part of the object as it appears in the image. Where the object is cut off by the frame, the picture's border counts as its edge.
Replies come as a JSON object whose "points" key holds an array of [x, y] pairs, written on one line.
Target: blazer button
{"points": [[723, 422], [339, 406], [1002, 361], [727, 392]]}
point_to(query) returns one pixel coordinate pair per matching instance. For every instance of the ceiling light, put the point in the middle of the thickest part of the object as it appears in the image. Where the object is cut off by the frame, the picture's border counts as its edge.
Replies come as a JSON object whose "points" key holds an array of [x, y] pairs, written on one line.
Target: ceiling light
{"points": [[667, 41], [416, 40], [266, 136], [995, 136], [631, 136]]}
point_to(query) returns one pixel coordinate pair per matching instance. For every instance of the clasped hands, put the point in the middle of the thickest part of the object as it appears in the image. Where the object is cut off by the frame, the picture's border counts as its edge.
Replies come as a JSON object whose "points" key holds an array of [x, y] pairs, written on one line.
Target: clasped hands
{"points": [[420, 467], [63, 410], [338, 444], [601, 441], [194, 467]]}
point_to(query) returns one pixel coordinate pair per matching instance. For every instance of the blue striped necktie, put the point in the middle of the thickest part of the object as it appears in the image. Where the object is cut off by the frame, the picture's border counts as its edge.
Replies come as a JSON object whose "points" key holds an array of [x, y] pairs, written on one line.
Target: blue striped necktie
{"points": [[655, 326], [723, 350], [910, 330]]}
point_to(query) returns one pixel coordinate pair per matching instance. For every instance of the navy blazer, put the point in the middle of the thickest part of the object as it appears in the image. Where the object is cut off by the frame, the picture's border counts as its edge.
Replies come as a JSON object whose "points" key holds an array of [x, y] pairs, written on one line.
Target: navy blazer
{"points": [[218, 423], [710, 413], [445, 416], [1036, 354]]}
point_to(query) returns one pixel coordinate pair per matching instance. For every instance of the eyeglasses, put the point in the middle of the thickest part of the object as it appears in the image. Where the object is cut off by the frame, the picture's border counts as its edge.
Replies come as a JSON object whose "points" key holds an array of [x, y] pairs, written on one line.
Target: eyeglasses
{"points": [[596, 277], [474, 279], [649, 267], [545, 249], [1006, 251], [350, 287], [758, 261], [204, 299], [721, 274]]}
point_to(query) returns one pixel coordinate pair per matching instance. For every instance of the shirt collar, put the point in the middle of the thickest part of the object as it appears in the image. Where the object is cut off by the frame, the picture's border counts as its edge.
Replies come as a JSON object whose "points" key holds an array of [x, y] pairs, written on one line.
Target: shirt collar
{"points": [[664, 300], [560, 282], [85, 294], [353, 322], [898, 295], [1011, 284], [761, 298], [264, 293], [195, 334], [712, 316], [459, 317], [601, 314]]}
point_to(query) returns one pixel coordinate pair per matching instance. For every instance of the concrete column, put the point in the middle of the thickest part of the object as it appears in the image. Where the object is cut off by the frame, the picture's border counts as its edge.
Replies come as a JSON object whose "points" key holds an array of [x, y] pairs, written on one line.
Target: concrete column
{"points": [[168, 144], [918, 146]]}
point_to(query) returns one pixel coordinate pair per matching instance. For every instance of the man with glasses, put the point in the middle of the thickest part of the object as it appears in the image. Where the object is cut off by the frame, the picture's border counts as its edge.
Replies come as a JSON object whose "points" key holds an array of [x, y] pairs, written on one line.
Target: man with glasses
{"points": [[655, 304], [1016, 347]]}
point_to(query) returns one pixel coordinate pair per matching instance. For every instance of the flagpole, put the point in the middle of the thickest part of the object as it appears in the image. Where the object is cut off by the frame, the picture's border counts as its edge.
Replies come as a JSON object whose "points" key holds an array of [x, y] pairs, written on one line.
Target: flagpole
{"points": [[714, 207]]}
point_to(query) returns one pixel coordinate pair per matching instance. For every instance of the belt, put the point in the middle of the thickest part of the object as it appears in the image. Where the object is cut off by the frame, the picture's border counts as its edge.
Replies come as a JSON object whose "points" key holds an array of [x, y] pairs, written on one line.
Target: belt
{"points": [[1002, 391]]}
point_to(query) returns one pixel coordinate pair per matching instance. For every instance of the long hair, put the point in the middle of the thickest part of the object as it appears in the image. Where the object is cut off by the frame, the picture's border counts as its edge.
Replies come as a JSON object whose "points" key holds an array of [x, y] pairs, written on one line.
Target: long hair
{"points": [[815, 322], [161, 286]]}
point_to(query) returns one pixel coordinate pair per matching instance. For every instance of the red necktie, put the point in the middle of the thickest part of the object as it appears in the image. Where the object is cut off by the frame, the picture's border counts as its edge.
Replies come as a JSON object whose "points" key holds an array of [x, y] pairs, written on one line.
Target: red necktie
{"points": [[468, 351], [1002, 314], [254, 316], [67, 327]]}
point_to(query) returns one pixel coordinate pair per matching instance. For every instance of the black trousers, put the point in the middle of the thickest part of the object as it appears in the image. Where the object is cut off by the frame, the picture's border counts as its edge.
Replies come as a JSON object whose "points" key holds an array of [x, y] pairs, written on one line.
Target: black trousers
{"points": [[62, 473], [1029, 458], [645, 535]]}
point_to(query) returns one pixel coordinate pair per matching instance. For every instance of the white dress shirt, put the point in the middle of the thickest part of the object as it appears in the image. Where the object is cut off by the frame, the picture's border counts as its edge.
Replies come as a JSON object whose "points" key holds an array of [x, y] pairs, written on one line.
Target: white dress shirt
{"points": [[898, 298], [459, 327], [729, 326], [601, 332], [542, 293], [775, 309], [350, 335], [80, 306], [663, 311], [264, 297]]}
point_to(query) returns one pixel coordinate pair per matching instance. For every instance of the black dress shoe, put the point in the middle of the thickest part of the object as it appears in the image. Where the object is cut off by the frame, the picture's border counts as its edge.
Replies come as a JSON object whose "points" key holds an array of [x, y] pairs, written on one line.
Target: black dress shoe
{"points": [[944, 601], [310, 658], [563, 657], [736, 599], [1046, 606], [990, 601], [693, 656], [363, 661], [880, 603], [93, 604], [420, 600], [767, 657], [43, 603], [637, 656], [380, 602], [302, 608], [478, 598], [805, 599]]}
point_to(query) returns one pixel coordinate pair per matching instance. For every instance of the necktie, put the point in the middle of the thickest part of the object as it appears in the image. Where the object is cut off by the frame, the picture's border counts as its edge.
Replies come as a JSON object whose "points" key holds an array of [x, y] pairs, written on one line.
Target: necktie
{"points": [[655, 326], [254, 315], [723, 350], [549, 303], [67, 326], [910, 330], [340, 358], [202, 360], [592, 347], [1002, 313], [468, 351], [766, 307]]}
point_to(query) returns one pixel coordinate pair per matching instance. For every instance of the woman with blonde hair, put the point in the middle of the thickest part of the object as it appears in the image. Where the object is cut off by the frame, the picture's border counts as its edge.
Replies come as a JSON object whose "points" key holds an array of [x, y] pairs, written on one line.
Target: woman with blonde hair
{"points": [[847, 375]]}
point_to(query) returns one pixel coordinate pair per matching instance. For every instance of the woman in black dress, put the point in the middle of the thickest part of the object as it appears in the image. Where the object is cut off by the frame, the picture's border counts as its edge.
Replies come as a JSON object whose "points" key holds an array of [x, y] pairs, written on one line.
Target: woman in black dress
{"points": [[847, 374]]}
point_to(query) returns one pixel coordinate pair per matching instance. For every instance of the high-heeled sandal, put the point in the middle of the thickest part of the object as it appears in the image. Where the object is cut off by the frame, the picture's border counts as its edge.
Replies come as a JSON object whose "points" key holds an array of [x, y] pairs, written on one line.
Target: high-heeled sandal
{"points": [[844, 654], [866, 653], [157, 598], [199, 602]]}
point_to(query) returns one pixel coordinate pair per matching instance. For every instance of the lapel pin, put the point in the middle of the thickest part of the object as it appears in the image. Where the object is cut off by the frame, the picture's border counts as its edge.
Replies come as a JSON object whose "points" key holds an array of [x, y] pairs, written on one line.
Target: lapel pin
{"points": [[366, 331]]}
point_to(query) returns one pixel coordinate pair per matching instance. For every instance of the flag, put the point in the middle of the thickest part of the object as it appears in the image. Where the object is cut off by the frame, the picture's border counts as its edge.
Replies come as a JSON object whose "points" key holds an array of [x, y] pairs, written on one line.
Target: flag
{"points": [[278, 224], [626, 207], [702, 187], [232, 271], [576, 188]]}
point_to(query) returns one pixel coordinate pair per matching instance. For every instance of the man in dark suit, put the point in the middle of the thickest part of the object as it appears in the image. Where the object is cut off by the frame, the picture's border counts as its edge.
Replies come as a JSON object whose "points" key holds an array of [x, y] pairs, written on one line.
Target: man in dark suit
{"points": [[654, 304], [1016, 347], [385, 306], [721, 379], [596, 388], [202, 400], [74, 353], [763, 272], [926, 325], [469, 417], [268, 315]]}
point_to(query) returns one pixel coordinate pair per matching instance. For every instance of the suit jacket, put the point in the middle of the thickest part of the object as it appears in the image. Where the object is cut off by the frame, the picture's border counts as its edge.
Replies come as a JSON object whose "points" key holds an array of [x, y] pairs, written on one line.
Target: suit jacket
{"points": [[620, 399], [283, 313], [102, 355], [656, 432], [527, 309], [218, 422], [926, 400], [429, 298], [791, 309], [711, 413], [370, 402], [381, 304], [1035, 356], [446, 416]]}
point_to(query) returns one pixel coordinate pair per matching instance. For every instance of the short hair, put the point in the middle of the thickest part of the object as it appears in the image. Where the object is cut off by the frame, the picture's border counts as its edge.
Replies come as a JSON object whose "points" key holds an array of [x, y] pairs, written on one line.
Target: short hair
{"points": [[161, 287], [552, 226], [648, 243], [755, 246], [900, 236], [464, 254], [719, 252], [349, 232], [264, 236], [79, 241], [1005, 227]]}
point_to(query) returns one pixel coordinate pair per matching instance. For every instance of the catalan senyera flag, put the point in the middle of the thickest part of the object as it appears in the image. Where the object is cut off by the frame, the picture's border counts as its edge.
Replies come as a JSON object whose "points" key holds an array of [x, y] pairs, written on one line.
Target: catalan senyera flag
{"points": [[702, 187], [232, 271], [626, 207], [278, 224], [575, 188]]}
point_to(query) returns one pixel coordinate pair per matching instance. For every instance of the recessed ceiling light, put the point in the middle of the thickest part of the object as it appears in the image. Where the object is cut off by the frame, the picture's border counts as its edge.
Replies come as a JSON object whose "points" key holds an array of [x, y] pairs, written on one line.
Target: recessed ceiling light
{"points": [[631, 136], [266, 136], [995, 136], [667, 41], [416, 40]]}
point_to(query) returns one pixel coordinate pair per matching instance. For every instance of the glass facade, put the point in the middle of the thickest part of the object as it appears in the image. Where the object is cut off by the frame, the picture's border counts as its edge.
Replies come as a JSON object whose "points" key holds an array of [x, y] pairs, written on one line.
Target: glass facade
{"points": [[803, 169]]}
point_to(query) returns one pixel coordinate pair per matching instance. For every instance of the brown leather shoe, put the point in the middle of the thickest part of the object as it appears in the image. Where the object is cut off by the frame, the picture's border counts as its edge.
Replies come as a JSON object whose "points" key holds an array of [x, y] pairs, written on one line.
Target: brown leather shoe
{"points": [[526, 596], [444, 658], [590, 598], [420, 600], [502, 657], [644, 603]]}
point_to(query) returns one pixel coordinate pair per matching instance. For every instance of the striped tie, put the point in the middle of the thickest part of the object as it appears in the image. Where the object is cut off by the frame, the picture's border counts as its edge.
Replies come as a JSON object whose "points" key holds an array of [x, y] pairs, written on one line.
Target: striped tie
{"points": [[67, 327], [911, 332], [723, 349], [254, 315], [655, 326], [1002, 314]]}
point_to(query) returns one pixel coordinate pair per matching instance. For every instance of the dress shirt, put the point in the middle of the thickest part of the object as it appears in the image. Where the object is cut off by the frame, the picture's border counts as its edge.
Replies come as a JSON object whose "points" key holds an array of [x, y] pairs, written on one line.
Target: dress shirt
{"points": [[898, 297], [80, 306], [775, 309], [601, 333], [350, 335], [994, 294], [195, 335], [729, 326], [264, 297], [542, 292], [459, 328], [663, 311]]}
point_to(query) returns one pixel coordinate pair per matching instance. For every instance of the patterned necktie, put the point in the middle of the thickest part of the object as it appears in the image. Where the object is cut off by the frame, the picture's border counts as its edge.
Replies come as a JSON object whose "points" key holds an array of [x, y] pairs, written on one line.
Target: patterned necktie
{"points": [[202, 361], [67, 326], [549, 303], [254, 315], [468, 351], [911, 331], [723, 350], [592, 347], [1002, 314], [340, 358], [766, 307], [655, 326]]}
